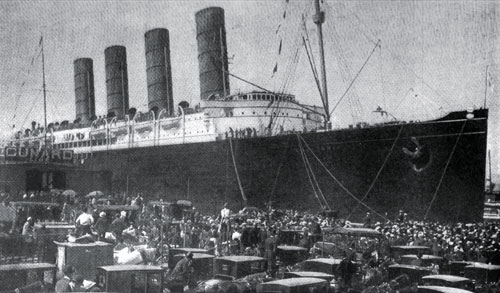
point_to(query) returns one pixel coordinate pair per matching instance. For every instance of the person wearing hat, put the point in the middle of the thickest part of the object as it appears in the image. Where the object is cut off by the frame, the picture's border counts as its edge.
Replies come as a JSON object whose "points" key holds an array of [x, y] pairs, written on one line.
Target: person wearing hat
{"points": [[346, 270], [28, 227], [367, 222], [118, 225], [182, 274], [225, 212], [102, 226], [270, 246], [65, 284]]}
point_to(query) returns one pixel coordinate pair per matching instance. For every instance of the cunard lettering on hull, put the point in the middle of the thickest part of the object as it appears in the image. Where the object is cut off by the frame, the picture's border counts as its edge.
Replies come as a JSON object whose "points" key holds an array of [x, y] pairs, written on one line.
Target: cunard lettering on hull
{"points": [[37, 155]]}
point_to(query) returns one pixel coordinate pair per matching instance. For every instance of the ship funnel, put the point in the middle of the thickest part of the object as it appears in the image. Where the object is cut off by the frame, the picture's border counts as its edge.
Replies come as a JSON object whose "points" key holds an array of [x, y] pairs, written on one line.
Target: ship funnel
{"points": [[212, 52], [158, 70], [84, 89], [115, 58]]}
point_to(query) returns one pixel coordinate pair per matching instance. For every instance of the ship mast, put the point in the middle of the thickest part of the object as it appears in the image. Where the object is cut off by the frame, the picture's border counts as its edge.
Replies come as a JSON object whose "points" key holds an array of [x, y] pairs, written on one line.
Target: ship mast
{"points": [[319, 19], [44, 95]]}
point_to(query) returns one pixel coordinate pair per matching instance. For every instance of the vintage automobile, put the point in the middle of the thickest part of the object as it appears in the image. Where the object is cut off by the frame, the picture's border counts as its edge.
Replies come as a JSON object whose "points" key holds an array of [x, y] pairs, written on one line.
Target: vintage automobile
{"points": [[324, 265], [27, 277], [415, 273], [174, 209], [184, 250], [327, 277], [217, 284], [130, 279], [457, 268], [202, 264], [483, 273], [223, 283], [290, 236], [290, 254], [295, 285], [238, 266], [448, 281], [426, 260], [440, 289], [337, 241], [398, 251]]}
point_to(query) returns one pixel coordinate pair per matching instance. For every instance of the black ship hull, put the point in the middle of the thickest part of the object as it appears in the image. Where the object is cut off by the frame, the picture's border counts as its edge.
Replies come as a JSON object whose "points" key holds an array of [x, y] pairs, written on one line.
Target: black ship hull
{"points": [[435, 168]]}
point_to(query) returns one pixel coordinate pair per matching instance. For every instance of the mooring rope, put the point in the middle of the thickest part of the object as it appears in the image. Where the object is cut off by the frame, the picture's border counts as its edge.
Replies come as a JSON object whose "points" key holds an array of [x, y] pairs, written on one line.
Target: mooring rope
{"points": [[302, 153], [445, 169], [379, 170], [340, 184], [236, 171]]}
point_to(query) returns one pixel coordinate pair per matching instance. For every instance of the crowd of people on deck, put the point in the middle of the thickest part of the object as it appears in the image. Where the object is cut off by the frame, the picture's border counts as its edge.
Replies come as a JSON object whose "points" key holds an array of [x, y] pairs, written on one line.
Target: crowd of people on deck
{"points": [[253, 231]]}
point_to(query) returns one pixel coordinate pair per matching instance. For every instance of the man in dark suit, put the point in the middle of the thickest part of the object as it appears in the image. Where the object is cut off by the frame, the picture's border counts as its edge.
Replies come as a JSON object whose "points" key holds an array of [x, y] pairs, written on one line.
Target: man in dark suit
{"points": [[182, 274], [64, 284]]}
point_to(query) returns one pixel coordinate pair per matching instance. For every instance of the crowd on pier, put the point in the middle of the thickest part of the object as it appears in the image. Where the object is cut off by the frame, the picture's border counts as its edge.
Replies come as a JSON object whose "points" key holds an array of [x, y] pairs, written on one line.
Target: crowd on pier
{"points": [[250, 227], [250, 231]]}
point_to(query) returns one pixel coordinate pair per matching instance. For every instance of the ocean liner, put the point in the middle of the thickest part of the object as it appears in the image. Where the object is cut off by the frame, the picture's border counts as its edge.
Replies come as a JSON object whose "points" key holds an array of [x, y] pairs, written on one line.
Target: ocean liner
{"points": [[259, 148]]}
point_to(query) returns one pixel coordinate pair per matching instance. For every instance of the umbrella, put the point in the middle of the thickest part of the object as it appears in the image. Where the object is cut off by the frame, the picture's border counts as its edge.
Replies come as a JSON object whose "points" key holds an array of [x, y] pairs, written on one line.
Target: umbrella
{"points": [[69, 192], [184, 203], [96, 193], [248, 210]]}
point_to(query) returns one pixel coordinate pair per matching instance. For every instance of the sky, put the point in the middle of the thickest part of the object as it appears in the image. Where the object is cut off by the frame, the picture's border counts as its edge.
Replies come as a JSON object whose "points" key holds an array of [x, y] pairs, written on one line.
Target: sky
{"points": [[433, 55]]}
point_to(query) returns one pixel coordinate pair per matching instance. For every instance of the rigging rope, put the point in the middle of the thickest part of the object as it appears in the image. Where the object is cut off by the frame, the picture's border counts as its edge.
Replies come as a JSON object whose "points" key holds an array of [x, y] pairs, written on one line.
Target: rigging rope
{"points": [[355, 77], [379, 170], [340, 183], [302, 153], [35, 56], [345, 72], [315, 180], [394, 55], [315, 74], [279, 169], [236, 171], [445, 169]]}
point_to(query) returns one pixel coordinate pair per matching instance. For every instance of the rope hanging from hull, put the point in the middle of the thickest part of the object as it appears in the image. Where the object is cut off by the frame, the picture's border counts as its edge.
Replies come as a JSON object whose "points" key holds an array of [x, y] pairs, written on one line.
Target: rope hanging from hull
{"points": [[236, 171], [310, 174], [340, 183], [445, 169], [271, 196], [379, 170]]}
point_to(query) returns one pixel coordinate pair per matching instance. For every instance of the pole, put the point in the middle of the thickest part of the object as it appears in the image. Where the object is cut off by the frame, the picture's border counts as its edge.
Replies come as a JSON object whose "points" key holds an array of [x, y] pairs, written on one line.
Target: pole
{"points": [[319, 19], [222, 62], [489, 167], [169, 111], [486, 87], [44, 95], [123, 90], [89, 104]]}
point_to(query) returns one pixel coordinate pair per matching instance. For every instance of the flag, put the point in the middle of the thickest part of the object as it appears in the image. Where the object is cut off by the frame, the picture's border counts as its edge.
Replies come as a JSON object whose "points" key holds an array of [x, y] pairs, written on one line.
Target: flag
{"points": [[284, 14], [275, 68], [279, 50], [278, 28], [489, 81], [41, 41]]}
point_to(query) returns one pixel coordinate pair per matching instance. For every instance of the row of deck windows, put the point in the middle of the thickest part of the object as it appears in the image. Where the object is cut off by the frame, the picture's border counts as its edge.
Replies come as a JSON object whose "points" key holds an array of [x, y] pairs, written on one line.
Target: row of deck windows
{"points": [[264, 97], [100, 142], [230, 114]]}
